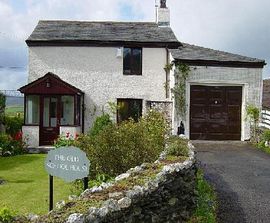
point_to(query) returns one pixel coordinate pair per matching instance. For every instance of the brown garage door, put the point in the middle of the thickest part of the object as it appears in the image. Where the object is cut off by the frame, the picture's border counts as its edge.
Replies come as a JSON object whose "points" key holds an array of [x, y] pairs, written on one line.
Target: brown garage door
{"points": [[215, 112]]}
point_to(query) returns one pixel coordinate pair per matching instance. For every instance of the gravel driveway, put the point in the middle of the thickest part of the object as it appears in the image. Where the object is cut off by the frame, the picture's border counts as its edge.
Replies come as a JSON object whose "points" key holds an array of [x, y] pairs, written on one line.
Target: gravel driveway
{"points": [[241, 177]]}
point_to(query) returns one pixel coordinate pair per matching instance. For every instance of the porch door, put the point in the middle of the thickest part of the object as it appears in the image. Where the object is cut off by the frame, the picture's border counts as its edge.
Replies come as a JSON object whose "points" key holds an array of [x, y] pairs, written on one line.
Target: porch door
{"points": [[50, 119]]}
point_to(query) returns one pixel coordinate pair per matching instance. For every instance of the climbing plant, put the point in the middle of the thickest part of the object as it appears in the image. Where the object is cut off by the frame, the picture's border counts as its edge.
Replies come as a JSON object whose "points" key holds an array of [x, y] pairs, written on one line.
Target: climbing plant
{"points": [[253, 114], [181, 74]]}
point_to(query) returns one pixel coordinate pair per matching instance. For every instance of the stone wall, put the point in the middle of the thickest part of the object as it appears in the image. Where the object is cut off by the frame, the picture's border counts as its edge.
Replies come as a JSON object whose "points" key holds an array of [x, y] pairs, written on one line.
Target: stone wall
{"points": [[169, 197], [165, 107]]}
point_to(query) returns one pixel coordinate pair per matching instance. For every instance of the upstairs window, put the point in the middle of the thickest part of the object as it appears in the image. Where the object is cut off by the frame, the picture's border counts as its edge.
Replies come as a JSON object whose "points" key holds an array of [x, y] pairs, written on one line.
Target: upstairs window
{"points": [[132, 61]]}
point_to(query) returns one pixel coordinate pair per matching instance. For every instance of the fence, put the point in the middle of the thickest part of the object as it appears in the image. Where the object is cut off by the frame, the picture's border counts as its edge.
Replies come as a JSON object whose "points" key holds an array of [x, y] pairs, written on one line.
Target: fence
{"points": [[12, 93], [265, 118]]}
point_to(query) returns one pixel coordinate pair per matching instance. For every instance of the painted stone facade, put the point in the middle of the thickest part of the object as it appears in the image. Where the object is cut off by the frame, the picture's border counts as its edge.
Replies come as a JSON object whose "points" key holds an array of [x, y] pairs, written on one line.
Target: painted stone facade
{"points": [[31, 135], [98, 72]]}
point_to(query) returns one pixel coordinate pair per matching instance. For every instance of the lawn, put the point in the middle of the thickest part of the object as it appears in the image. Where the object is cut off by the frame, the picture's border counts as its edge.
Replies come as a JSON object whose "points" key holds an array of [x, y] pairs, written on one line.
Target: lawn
{"points": [[26, 188]]}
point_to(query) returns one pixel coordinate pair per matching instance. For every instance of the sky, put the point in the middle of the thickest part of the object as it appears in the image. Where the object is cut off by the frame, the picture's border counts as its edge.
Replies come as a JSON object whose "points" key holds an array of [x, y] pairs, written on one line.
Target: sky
{"points": [[236, 26]]}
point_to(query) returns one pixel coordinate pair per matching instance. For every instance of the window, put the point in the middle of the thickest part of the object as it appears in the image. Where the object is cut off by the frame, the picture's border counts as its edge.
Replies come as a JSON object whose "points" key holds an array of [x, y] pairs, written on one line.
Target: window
{"points": [[67, 117], [132, 61], [32, 110], [129, 108]]}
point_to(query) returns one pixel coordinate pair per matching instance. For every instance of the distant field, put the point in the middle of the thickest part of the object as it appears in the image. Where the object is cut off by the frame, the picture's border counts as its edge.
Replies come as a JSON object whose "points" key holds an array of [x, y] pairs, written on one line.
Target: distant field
{"points": [[14, 110]]}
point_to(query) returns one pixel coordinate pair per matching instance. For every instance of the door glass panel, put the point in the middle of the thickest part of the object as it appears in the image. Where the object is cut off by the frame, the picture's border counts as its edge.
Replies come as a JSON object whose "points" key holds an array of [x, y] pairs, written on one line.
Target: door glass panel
{"points": [[67, 117], [46, 122], [53, 112]]}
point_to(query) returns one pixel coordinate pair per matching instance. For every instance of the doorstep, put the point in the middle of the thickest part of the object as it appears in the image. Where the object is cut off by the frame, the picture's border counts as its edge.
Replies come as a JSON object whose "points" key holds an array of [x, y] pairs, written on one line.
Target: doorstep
{"points": [[40, 149]]}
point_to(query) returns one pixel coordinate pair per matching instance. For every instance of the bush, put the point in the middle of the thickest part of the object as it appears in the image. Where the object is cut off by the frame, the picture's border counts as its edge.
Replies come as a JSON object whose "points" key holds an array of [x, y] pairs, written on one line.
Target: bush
{"points": [[100, 123], [6, 215], [13, 125], [266, 135], [67, 140], [177, 146], [11, 146], [77, 186], [2, 106], [118, 147], [264, 141]]}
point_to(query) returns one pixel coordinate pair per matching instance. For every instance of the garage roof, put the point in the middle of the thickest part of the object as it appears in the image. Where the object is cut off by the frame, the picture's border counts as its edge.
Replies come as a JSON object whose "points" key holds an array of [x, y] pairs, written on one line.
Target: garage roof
{"points": [[61, 32], [197, 55]]}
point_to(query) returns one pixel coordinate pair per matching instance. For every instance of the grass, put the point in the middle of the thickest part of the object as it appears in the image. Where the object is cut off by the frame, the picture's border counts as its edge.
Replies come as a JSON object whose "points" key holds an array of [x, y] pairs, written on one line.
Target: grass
{"points": [[26, 184], [14, 110], [206, 203]]}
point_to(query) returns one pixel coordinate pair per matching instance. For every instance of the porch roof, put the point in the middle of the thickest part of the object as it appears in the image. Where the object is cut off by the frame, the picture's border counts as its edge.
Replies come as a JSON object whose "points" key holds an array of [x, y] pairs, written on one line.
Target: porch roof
{"points": [[50, 83]]}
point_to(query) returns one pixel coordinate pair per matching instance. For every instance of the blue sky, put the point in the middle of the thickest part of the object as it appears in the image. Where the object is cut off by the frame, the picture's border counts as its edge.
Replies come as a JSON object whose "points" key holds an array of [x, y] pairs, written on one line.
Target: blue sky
{"points": [[240, 26]]}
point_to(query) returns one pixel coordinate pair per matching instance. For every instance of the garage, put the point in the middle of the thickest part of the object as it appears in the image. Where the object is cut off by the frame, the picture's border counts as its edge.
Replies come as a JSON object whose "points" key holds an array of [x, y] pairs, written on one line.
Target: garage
{"points": [[215, 112]]}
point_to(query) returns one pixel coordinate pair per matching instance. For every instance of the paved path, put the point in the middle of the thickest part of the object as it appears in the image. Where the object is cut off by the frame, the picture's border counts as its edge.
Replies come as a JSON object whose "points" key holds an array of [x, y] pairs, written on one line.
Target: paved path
{"points": [[241, 176]]}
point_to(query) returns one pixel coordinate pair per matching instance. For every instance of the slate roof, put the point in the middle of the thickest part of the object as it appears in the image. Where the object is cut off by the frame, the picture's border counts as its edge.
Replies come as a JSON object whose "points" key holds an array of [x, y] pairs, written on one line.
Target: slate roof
{"points": [[102, 33], [200, 55]]}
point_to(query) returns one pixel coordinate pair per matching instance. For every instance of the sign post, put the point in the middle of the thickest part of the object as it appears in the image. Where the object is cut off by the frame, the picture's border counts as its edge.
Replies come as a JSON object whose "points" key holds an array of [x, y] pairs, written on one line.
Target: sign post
{"points": [[68, 163], [51, 193]]}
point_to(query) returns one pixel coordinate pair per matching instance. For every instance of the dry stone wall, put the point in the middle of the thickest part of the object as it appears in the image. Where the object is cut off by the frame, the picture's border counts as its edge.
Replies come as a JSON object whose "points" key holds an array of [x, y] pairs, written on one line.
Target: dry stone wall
{"points": [[169, 197]]}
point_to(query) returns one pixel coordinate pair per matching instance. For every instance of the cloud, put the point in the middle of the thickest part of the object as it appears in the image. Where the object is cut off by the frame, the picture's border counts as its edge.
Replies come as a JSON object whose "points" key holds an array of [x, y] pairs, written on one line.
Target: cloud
{"points": [[14, 78], [240, 26]]}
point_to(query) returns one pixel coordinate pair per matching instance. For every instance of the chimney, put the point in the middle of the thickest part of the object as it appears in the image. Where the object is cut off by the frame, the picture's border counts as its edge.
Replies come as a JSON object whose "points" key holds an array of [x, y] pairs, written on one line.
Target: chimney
{"points": [[163, 14]]}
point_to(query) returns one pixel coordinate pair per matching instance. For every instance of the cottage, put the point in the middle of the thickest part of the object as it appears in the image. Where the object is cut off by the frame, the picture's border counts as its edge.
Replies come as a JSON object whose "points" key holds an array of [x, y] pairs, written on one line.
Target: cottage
{"points": [[77, 69]]}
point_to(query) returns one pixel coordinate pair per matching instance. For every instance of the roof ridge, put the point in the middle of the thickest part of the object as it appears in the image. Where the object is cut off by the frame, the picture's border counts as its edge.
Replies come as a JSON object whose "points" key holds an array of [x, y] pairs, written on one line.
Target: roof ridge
{"points": [[91, 21]]}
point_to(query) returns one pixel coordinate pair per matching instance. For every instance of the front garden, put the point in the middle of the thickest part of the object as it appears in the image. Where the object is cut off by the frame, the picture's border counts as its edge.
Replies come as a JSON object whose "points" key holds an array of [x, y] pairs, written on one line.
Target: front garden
{"points": [[111, 148]]}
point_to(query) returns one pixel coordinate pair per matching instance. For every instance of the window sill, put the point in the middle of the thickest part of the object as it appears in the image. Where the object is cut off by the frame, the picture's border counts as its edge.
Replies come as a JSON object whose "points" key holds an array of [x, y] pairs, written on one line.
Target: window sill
{"points": [[70, 126], [132, 74]]}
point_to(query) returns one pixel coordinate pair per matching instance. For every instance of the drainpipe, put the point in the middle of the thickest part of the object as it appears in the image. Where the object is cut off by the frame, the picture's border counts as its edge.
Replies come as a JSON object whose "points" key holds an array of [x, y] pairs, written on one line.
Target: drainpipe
{"points": [[167, 74], [83, 107]]}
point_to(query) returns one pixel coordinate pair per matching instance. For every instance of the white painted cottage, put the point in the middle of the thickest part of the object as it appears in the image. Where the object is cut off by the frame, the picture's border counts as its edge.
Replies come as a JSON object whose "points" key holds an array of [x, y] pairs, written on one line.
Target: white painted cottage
{"points": [[77, 67]]}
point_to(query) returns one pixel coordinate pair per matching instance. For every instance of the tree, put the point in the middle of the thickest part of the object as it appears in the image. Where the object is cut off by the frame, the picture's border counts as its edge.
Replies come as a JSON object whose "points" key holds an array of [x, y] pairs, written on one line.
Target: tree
{"points": [[2, 111]]}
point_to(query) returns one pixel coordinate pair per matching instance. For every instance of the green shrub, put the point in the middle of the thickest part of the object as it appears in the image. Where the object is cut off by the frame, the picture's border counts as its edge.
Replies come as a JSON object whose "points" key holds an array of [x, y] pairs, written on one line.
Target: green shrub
{"points": [[14, 146], [253, 113], [177, 146], [118, 147], [63, 141], [6, 215], [2, 106], [77, 186], [266, 135], [100, 123], [13, 125]]}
